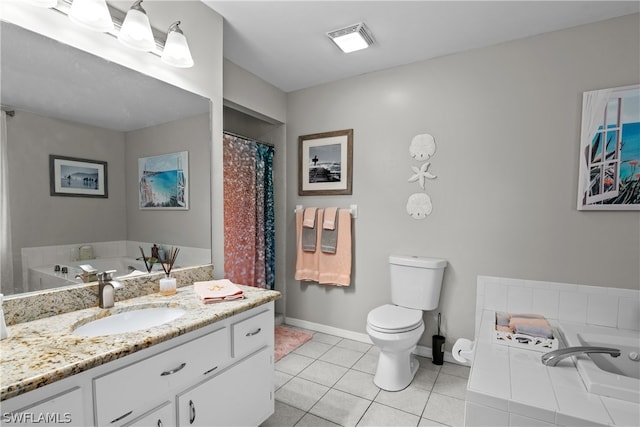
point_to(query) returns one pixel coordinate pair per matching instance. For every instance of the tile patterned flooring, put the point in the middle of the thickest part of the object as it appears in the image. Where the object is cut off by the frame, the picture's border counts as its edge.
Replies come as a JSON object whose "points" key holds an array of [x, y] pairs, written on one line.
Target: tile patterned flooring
{"points": [[329, 382]]}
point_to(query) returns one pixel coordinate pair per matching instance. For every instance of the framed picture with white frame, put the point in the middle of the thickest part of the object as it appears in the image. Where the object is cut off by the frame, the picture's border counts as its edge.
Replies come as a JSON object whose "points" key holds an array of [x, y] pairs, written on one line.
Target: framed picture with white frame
{"points": [[609, 174]]}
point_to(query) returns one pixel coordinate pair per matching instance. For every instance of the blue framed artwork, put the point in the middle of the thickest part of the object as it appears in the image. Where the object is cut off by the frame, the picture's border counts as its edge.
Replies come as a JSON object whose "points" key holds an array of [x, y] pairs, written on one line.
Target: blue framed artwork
{"points": [[163, 181]]}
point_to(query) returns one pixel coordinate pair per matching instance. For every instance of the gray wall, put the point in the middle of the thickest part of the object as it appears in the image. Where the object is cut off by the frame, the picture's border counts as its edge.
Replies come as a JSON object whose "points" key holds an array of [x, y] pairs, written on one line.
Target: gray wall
{"points": [[39, 219], [507, 125], [172, 227]]}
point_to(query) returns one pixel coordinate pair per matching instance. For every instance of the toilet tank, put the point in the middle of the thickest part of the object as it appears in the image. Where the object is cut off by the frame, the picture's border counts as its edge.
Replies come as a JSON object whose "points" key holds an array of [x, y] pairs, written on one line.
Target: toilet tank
{"points": [[416, 281]]}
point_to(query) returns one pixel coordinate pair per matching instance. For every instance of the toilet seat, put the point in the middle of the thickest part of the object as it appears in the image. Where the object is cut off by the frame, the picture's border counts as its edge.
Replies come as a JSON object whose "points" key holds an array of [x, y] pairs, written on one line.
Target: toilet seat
{"points": [[393, 319]]}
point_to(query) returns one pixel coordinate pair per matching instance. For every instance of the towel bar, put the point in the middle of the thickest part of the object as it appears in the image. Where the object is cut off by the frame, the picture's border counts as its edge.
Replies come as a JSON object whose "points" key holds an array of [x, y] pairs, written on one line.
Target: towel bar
{"points": [[352, 208]]}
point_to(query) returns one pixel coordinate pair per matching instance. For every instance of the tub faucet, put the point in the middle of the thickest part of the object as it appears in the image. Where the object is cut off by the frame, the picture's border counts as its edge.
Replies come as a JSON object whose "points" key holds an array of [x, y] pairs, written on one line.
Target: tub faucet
{"points": [[107, 289], [553, 357], [88, 273]]}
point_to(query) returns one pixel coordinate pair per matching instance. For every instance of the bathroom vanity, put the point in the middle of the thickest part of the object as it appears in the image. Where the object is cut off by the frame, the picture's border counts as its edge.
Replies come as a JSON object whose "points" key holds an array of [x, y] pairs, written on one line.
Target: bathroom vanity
{"points": [[211, 366]]}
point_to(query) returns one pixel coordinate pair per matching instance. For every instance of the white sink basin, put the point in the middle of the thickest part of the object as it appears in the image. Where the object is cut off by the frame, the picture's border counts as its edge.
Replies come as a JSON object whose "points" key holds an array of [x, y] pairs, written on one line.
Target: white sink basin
{"points": [[129, 321]]}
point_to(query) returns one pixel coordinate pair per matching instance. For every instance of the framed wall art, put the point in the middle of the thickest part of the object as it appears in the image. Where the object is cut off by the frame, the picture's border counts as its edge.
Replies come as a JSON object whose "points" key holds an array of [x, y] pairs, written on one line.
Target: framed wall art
{"points": [[163, 181], [325, 163], [74, 177], [610, 150]]}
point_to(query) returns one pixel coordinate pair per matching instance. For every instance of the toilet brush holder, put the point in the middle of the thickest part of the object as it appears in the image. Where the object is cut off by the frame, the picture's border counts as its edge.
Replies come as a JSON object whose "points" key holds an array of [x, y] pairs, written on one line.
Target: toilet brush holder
{"points": [[437, 346]]}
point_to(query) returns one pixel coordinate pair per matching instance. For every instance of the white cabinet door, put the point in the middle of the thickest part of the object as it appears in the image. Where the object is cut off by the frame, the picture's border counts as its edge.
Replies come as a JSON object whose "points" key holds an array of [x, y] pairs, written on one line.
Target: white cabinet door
{"points": [[162, 416], [239, 396], [64, 409]]}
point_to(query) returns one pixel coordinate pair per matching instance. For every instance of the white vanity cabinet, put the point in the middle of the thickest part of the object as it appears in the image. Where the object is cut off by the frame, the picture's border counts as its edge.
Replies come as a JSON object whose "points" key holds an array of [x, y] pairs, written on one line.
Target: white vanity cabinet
{"points": [[242, 394], [63, 409], [239, 396], [126, 393], [218, 375]]}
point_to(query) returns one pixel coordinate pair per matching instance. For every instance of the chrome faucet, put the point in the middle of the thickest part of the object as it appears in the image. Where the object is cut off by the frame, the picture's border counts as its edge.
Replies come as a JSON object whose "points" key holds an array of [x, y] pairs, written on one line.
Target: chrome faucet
{"points": [[553, 357], [107, 289]]}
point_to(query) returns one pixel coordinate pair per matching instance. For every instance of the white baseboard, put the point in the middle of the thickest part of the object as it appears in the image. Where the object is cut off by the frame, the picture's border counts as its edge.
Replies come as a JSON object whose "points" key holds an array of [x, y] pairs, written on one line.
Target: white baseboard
{"points": [[357, 336]]}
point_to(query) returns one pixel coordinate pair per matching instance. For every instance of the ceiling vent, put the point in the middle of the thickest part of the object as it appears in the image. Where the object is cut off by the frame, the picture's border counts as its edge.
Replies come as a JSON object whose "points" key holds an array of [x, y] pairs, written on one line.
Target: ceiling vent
{"points": [[352, 38]]}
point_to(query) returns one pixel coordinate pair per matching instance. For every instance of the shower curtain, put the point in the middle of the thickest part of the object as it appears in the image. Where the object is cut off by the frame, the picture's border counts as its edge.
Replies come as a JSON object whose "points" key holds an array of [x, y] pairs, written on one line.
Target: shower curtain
{"points": [[6, 250], [249, 216]]}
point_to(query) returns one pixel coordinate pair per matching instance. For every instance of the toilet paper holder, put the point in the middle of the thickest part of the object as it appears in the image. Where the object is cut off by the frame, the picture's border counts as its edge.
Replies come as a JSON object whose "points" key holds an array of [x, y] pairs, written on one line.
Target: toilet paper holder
{"points": [[463, 350]]}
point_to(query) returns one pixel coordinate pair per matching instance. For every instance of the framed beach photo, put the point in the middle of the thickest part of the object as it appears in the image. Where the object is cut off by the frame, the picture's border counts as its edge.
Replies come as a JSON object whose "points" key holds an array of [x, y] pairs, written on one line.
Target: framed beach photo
{"points": [[163, 181], [610, 150], [325, 163], [74, 177]]}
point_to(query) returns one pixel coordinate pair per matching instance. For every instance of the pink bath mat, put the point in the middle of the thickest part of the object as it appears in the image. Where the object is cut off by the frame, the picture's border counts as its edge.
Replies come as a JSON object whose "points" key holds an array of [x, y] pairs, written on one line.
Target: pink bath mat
{"points": [[288, 339]]}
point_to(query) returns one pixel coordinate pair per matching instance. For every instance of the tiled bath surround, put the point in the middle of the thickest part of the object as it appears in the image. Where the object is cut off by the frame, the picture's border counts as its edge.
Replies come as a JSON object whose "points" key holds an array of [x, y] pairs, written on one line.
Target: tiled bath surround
{"points": [[592, 305], [511, 386]]}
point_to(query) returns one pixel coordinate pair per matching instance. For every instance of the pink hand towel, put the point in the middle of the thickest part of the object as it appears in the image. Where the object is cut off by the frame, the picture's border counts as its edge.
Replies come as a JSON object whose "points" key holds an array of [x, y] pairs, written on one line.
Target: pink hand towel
{"points": [[309, 219], [520, 321], [329, 222], [217, 291]]}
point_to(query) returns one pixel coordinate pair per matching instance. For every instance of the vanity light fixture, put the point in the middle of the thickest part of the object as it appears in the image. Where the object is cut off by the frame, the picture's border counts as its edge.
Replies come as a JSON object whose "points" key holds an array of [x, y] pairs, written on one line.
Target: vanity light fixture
{"points": [[176, 49], [132, 29], [135, 31], [352, 38], [91, 14]]}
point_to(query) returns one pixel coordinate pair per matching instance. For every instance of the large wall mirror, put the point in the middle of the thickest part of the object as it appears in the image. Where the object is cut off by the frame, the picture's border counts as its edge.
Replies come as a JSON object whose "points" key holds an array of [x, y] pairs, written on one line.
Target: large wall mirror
{"points": [[70, 103]]}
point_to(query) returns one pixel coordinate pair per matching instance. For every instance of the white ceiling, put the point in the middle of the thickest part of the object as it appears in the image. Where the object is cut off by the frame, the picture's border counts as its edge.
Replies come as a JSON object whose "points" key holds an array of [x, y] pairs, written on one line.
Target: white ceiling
{"points": [[285, 42]]}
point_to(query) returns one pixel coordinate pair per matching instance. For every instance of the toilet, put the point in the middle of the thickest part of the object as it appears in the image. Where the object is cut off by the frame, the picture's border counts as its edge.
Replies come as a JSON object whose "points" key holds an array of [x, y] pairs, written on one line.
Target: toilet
{"points": [[396, 328]]}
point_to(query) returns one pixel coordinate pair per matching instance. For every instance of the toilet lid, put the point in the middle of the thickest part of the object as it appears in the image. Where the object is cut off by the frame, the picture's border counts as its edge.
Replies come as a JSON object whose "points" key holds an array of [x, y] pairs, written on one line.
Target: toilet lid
{"points": [[393, 318]]}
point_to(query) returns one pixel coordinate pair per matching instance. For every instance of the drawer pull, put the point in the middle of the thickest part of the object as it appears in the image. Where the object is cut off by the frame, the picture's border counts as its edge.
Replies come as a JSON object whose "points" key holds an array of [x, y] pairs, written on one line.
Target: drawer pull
{"points": [[256, 332], [211, 370], [121, 417], [173, 371], [192, 412]]}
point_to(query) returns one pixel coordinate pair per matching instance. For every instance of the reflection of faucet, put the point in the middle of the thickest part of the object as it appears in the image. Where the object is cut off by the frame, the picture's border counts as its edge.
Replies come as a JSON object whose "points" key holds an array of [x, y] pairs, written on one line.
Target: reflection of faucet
{"points": [[553, 357], [107, 289], [88, 273]]}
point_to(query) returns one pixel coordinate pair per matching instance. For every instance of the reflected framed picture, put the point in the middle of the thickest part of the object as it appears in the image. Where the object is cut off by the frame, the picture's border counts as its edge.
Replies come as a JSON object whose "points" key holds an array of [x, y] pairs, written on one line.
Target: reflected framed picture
{"points": [[74, 177], [163, 181], [610, 150], [325, 163]]}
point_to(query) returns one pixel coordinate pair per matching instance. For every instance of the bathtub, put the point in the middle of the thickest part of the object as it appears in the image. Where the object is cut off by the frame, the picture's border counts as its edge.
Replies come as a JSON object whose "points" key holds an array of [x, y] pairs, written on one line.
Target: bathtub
{"points": [[45, 277], [602, 374], [123, 266]]}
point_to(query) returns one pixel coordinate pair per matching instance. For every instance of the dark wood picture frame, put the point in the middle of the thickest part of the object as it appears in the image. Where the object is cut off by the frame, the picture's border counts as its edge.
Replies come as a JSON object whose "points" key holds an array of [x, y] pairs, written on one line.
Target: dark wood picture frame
{"points": [[325, 163], [75, 177]]}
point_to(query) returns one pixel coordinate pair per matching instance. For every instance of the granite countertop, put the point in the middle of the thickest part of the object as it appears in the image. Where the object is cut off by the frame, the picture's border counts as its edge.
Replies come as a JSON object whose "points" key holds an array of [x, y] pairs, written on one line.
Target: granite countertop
{"points": [[43, 351]]}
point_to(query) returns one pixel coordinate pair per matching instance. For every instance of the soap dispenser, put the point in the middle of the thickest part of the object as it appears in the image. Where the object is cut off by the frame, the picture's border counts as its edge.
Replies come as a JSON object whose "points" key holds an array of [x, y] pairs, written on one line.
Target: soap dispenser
{"points": [[3, 326]]}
